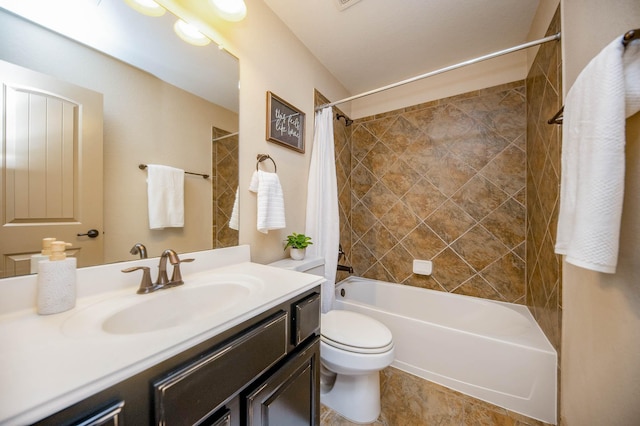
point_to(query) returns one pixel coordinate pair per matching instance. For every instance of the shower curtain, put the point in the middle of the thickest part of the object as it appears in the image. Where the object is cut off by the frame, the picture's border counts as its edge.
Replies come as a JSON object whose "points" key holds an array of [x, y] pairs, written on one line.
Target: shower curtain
{"points": [[322, 203]]}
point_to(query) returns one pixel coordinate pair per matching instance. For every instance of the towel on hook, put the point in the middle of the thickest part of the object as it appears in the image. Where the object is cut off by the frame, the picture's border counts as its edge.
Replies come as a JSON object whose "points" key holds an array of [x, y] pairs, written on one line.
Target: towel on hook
{"points": [[233, 221], [165, 191], [270, 200], [593, 157]]}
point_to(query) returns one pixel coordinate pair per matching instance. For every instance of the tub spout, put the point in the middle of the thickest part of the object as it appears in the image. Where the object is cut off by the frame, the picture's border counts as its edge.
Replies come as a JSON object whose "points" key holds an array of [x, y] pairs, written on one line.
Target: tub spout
{"points": [[344, 268]]}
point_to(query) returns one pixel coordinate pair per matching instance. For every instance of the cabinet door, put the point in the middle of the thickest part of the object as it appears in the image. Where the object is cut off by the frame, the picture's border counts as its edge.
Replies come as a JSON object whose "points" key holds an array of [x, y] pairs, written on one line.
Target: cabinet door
{"points": [[189, 394], [290, 396]]}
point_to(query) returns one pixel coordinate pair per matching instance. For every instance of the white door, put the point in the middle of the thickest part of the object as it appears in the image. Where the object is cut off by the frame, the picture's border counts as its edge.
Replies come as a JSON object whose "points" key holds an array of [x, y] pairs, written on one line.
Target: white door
{"points": [[51, 180]]}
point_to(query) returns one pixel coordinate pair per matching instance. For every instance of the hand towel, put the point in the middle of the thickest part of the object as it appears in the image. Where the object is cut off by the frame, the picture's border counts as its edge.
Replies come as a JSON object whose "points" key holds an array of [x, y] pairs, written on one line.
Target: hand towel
{"points": [[165, 191], [270, 201], [233, 221], [593, 157]]}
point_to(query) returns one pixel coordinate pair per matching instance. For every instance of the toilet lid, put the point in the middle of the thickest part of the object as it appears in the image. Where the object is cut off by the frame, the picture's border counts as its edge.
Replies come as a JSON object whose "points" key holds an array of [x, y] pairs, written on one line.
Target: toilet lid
{"points": [[356, 332]]}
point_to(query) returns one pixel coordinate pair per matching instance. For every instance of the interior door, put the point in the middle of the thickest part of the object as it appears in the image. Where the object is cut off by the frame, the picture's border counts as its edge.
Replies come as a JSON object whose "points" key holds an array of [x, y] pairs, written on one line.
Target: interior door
{"points": [[51, 177]]}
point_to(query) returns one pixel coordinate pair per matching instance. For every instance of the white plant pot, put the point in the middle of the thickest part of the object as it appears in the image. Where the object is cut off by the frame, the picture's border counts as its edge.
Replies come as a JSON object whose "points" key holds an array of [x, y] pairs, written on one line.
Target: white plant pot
{"points": [[296, 254]]}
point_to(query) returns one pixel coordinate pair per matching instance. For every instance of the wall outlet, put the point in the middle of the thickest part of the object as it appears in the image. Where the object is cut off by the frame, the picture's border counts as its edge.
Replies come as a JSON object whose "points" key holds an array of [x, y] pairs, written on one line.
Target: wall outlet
{"points": [[422, 267]]}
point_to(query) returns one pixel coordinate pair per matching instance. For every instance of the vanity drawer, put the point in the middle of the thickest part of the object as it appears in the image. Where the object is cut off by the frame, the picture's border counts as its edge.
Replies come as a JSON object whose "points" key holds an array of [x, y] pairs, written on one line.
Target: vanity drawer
{"points": [[189, 394], [305, 318]]}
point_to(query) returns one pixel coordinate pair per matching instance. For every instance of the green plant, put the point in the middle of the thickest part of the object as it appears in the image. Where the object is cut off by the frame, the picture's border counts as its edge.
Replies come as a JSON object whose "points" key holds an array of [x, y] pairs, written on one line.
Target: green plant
{"points": [[298, 241]]}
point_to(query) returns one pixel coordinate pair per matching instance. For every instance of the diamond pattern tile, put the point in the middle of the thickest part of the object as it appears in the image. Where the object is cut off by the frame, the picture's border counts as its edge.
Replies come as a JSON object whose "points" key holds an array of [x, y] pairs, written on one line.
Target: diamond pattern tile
{"points": [[543, 269], [423, 178]]}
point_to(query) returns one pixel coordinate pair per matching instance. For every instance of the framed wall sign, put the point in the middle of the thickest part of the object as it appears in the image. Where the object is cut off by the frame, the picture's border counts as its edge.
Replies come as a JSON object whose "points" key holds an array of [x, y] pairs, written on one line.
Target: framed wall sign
{"points": [[285, 123]]}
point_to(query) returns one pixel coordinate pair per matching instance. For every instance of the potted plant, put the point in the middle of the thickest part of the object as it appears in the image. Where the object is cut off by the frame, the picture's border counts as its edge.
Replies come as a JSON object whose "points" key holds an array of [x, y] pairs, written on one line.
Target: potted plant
{"points": [[298, 244]]}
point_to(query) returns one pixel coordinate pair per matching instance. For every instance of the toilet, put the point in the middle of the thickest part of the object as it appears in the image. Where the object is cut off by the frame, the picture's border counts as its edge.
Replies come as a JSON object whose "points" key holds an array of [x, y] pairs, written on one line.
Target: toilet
{"points": [[353, 350]]}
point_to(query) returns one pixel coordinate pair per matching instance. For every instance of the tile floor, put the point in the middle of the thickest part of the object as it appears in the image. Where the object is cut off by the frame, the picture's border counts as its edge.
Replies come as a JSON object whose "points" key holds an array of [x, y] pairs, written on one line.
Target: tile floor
{"points": [[411, 401]]}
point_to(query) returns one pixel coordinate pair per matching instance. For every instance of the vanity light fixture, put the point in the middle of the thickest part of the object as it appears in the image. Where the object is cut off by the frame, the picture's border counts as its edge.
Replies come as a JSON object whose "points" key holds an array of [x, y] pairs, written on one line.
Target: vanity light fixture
{"points": [[190, 34], [146, 7], [230, 10]]}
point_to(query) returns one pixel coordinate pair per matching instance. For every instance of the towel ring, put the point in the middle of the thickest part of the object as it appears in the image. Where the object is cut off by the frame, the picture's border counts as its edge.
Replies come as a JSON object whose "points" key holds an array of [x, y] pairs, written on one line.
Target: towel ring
{"points": [[262, 157]]}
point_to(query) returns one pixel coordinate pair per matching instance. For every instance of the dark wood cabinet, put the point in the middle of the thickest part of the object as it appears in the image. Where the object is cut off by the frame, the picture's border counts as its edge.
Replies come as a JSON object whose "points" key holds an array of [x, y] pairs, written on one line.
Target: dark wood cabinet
{"points": [[111, 415], [290, 396], [268, 365]]}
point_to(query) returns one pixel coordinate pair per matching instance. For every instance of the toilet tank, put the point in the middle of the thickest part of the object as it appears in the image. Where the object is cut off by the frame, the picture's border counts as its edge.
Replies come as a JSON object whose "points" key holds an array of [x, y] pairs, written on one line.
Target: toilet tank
{"points": [[310, 265]]}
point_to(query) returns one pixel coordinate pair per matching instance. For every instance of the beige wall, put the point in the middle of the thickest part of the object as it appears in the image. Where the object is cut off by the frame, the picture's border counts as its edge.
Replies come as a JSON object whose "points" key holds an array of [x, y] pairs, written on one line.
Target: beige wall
{"points": [[494, 72], [271, 59], [601, 321]]}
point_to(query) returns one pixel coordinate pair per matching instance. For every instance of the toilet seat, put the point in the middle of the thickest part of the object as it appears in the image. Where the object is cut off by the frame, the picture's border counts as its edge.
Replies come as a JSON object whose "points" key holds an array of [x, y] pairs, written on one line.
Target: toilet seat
{"points": [[354, 332]]}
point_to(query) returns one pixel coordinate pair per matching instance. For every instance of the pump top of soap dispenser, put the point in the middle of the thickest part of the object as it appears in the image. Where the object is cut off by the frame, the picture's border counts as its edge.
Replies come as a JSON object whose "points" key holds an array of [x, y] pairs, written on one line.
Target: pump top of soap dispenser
{"points": [[46, 246], [57, 250]]}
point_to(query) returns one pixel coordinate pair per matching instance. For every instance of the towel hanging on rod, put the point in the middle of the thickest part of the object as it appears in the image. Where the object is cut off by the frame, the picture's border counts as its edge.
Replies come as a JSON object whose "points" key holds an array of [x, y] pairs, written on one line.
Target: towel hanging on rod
{"points": [[144, 166], [262, 157], [627, 38]]}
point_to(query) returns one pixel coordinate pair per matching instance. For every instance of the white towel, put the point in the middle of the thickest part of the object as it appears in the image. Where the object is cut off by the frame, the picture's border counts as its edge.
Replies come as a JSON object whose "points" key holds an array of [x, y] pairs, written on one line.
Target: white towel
{"points": [[165, 191], [270, 200], [233, 221], [593, 157]]}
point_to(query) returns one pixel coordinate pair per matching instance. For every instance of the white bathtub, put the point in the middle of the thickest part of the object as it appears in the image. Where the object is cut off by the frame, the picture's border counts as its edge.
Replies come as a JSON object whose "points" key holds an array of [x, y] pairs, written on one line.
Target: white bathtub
{"points": [[490, 350]]}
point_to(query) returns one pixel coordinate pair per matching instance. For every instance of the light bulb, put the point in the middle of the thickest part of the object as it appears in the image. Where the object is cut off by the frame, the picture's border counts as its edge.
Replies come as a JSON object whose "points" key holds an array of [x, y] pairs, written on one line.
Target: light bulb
{"points": [[230, 10], [146, 7], [190, 34]]}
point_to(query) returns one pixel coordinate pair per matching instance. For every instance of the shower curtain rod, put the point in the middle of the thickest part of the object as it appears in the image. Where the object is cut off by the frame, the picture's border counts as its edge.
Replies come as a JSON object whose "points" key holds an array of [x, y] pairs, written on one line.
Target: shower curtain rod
{"points": [[445, 69]]}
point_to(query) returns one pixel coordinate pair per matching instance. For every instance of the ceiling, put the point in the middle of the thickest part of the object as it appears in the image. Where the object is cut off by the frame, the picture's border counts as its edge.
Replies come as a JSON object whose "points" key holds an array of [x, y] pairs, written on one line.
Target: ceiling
{"points": [[373, 43]]}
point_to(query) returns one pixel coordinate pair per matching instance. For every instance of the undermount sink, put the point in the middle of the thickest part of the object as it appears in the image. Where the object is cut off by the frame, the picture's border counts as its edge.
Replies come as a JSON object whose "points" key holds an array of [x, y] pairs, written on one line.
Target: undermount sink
{"points": [[133, 313], [174, 308]]}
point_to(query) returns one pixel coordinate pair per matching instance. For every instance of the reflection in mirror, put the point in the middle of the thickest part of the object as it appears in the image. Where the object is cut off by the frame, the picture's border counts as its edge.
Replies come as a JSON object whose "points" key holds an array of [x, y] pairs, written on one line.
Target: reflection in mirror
{"points": [[159, 101]]}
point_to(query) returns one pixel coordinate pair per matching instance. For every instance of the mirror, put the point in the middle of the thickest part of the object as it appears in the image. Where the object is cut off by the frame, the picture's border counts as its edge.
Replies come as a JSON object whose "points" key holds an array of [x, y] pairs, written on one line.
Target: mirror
{"points": [[164, 102]]}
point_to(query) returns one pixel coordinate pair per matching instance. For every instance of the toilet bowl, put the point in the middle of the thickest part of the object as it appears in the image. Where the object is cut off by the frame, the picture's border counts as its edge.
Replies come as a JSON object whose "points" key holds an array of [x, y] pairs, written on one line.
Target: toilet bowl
{"points": [[353, 350]]}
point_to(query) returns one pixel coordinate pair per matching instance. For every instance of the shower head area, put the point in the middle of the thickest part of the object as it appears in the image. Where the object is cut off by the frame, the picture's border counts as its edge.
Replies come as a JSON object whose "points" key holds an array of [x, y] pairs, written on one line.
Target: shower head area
{"points": [[347, 120]]}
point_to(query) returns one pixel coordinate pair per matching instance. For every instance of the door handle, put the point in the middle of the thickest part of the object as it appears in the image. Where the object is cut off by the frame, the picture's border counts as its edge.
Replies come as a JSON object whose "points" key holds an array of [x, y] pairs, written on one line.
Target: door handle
{"points": [[91, 233]]}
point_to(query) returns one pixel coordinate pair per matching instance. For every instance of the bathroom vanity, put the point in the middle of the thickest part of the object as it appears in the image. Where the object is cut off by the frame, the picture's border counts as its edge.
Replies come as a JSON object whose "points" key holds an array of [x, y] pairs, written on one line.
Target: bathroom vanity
{"points": [[252, 361]]}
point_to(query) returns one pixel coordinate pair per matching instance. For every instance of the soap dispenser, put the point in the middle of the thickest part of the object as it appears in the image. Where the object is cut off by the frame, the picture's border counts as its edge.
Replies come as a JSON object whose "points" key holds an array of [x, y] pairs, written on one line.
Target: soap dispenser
{"points": [[43, 255], [56, 281]]}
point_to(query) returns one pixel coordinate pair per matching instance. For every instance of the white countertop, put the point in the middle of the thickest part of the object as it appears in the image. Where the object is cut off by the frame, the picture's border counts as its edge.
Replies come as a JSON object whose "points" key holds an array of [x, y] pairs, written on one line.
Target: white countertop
{"points": [[45, 367]]}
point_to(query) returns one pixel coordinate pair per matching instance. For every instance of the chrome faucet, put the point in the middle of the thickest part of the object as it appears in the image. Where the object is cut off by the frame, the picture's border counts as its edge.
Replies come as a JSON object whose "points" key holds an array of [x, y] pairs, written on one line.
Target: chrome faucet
{"points": [[140, 249], [146, 286]]}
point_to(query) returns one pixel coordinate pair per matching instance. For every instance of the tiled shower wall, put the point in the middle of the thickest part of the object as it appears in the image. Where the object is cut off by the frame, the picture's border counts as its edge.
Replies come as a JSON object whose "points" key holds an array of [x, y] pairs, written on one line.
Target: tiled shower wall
{"points": [[544, 285], [225, 182], [442, 181]]}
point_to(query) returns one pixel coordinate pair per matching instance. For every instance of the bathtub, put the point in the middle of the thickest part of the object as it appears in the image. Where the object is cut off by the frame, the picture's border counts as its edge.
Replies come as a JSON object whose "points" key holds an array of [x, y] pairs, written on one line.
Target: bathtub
{"points": [[492, 351]]}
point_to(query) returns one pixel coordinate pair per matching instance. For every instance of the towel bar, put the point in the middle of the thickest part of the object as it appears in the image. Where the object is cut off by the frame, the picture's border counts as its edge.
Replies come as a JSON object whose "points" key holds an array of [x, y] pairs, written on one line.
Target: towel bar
{"points": [[627, 38], [262, 157], [144, 166]]}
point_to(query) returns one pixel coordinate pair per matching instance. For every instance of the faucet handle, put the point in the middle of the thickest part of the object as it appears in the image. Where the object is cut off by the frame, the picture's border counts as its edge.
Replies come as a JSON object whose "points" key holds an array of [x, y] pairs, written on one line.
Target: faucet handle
{"points": [[146, 286], [176, 277]]}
